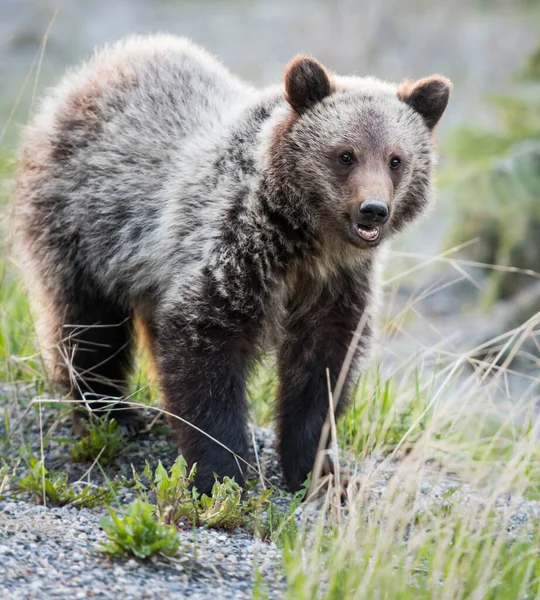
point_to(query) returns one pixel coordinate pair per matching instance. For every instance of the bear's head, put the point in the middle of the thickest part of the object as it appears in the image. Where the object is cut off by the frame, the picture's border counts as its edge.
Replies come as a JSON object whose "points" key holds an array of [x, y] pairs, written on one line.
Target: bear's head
{"points": [[357, 153]]}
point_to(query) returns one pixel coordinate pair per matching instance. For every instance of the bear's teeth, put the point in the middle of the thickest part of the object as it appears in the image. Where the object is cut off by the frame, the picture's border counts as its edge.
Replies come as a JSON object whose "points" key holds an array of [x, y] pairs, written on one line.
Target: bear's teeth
{"points": [[369, 234]]}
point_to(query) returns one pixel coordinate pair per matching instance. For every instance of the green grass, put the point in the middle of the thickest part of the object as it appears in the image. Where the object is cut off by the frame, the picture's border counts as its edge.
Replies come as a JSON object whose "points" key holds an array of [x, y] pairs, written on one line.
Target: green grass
{"points": [[262, 389], [387, 553], [391, 546], [409, 429], [19, 357], [383, 409]]}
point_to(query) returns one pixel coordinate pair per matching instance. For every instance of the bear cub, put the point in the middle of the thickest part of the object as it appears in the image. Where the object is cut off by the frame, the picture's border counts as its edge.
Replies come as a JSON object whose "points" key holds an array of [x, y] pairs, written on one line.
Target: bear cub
{"points": [[155, 187]]}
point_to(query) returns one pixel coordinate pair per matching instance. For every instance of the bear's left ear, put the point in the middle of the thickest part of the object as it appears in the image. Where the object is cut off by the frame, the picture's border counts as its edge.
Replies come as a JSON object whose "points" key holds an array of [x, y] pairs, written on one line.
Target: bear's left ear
{"points": [[306, 83], [428, 96]]}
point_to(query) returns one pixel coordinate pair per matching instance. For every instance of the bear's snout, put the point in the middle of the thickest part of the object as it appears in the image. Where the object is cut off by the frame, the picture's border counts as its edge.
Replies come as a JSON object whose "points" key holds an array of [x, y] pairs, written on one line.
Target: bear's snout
{"points": [[373, 210], [367, 221]]}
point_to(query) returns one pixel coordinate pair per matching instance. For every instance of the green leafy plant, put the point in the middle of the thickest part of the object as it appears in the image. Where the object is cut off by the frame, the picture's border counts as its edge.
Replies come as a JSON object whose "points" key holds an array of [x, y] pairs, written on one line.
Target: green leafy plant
{"points": [[224, 508], [53, 487], [104, 438], [176, 498], [138, 532]]}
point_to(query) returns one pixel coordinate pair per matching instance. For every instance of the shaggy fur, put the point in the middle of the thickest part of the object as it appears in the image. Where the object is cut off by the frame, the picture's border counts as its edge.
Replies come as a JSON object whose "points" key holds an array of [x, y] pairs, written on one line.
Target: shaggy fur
{"points": [[154, 184]]}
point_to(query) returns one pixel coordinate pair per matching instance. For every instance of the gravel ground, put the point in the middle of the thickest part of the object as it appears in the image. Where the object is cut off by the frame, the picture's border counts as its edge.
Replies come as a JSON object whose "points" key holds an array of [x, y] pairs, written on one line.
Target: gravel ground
{"points": [[53, 553], [49, 552]]}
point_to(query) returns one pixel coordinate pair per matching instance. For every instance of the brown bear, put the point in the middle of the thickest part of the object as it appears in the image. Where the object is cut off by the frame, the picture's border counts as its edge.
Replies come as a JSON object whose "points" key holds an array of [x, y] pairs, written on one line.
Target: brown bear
{"points": [[229, 220]]}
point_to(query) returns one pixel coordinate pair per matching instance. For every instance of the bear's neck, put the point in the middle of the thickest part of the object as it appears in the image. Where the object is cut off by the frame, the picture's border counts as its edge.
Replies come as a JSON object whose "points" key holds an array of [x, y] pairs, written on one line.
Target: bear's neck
{"points": [[261, 236], [262, 201]]}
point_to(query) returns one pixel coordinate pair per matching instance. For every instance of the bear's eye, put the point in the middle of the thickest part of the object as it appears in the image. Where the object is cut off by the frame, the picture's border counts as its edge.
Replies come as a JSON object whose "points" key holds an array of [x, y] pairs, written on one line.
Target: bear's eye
{"points": [[346, 158], [394, 163]]}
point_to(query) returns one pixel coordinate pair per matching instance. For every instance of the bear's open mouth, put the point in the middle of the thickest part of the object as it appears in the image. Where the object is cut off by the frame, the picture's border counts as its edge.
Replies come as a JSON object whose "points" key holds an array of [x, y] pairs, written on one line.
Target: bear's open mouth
{"points": [[370, 233]]}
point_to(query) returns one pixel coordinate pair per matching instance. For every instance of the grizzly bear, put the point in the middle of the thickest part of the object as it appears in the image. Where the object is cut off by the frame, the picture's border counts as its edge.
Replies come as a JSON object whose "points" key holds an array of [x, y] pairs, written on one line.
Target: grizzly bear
{"points": [[155, 185]]}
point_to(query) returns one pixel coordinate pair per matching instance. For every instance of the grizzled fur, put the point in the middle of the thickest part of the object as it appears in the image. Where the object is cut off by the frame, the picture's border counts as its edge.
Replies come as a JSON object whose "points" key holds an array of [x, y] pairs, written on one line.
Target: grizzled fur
{"points": [[154, 184]]}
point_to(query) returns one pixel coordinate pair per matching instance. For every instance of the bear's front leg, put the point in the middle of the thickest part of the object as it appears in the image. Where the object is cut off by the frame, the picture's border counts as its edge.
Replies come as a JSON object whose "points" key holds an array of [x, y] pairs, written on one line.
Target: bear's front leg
{"points": [[316, 340], [202, 369]]}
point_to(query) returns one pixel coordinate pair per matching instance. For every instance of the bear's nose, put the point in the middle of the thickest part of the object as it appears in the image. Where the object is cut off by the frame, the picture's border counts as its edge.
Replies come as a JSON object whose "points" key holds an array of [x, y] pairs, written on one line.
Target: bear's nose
{"points": [[374, 211]]}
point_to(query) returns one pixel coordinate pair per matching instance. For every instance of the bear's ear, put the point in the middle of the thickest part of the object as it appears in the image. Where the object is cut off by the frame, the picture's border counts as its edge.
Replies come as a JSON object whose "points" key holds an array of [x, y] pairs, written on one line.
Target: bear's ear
{"points": [[306, 83], [428, 96]]}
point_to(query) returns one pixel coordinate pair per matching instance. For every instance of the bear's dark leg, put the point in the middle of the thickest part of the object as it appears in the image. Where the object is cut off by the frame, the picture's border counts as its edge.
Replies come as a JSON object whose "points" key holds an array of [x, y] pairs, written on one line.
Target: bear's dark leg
{"points": [[316, 340], [202, 374], [94, 356]]}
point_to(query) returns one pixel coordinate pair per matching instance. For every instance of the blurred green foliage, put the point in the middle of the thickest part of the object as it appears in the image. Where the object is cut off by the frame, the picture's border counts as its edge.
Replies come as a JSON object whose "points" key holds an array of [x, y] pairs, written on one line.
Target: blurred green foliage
{"points": [[494, 177], [102, 441], [45, 485]]}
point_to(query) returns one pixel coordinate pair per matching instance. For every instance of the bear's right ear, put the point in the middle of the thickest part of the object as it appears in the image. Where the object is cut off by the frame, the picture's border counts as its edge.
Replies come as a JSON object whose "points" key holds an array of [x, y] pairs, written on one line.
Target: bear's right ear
{"points": [[306, 83]]}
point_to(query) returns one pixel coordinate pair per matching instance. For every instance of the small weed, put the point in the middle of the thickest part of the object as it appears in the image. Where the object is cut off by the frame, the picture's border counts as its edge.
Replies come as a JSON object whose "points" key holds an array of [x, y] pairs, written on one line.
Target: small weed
{"points": [[177, 499], [138, 532], [274, 515], [174, 499], [104, 438], [53, 487], [224, 509]]}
